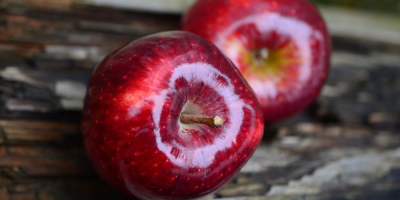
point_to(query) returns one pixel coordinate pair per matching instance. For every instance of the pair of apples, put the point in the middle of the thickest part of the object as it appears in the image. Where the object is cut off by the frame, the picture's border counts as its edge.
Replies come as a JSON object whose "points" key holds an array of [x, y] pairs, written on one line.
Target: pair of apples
{"points": [[169, 116]]}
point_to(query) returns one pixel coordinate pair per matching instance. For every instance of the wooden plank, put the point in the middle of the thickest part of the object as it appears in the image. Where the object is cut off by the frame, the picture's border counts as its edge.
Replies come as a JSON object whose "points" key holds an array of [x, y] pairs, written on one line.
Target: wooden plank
{"points": [[39, 167], [163, 6], [39, 132], [4, 193], [63, 189], [17, 134], [40, 125], [59, 5], [30, 162]]}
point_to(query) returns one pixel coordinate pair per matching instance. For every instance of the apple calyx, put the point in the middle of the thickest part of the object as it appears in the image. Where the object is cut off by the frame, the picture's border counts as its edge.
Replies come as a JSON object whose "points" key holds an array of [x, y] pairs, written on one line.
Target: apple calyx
{"points": [[213, 122], [261, 54], [271, 62]]}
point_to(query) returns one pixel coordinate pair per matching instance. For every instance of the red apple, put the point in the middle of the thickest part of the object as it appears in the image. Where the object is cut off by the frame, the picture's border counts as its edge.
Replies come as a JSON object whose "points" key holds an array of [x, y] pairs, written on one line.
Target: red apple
{"points": [[168, 116], [281, 47]]}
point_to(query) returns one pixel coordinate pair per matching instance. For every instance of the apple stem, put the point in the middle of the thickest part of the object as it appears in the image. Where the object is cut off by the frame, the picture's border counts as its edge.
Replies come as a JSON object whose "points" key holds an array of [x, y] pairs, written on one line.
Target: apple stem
{"points": [[213, 122]]}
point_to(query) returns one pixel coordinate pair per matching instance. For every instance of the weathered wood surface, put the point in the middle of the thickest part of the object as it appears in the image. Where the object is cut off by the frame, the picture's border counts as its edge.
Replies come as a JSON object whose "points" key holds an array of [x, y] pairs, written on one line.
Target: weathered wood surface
{"points": [[346, 146]]}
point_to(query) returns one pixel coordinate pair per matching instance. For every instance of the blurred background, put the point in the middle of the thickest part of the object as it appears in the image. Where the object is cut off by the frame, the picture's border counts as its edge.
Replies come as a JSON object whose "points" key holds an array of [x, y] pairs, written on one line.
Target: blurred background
{"points": [[389, 6], [345, 146]]}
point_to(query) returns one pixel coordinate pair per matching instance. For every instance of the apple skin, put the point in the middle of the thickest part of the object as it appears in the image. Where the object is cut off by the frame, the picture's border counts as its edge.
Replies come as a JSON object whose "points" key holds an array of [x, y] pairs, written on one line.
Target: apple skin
{"points": [[292, 31], [130, 123]]}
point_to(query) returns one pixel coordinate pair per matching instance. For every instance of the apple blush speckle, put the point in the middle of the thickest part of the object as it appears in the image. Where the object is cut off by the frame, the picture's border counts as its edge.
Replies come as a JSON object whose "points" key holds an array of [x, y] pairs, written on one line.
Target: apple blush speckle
{"points": [[282, 48], [168, 116]]}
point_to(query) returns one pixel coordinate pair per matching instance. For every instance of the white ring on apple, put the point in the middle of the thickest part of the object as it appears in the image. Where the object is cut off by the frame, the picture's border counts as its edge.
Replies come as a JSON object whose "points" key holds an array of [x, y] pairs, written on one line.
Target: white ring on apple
{"points": [[200, 156], [300, 31]]}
